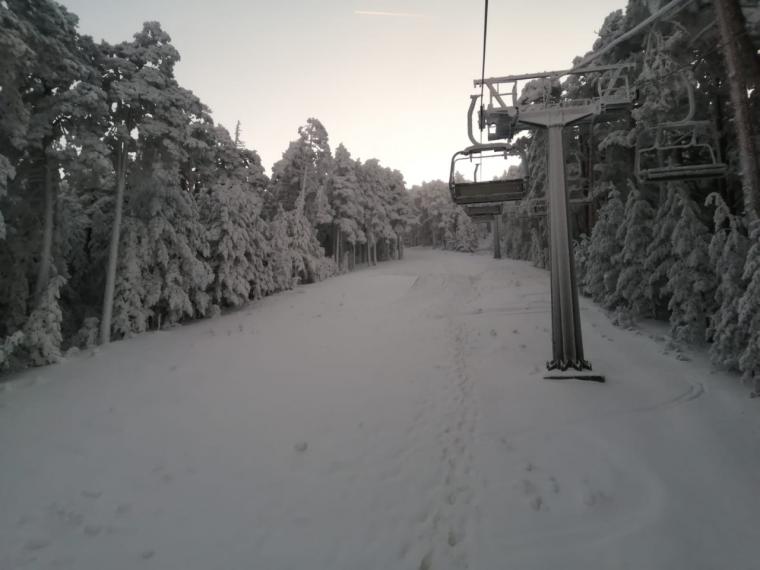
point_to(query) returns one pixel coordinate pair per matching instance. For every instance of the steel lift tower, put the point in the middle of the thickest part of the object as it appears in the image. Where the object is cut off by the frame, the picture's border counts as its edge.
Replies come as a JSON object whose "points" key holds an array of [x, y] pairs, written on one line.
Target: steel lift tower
{"points": [[503, 116]]}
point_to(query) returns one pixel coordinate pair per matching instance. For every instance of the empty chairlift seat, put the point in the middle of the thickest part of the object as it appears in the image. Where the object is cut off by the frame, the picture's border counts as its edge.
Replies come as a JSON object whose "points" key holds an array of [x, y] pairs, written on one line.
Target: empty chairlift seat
{"points": [[482, 211], [686, 150], [472, 191]]}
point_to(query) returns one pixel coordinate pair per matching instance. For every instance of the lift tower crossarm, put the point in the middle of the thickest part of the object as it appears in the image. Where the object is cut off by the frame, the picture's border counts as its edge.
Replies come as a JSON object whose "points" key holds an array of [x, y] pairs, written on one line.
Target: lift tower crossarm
{"points": [[560, 73]]}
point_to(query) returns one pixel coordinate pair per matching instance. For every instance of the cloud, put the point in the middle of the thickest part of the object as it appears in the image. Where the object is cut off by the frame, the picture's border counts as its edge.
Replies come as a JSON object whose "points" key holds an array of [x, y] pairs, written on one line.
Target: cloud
{"points": [[388, 14]]}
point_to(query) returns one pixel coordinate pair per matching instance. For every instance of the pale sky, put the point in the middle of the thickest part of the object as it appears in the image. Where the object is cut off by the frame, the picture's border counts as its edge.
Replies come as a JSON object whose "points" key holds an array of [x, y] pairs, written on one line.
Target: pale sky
{"points": [[388, 78]]}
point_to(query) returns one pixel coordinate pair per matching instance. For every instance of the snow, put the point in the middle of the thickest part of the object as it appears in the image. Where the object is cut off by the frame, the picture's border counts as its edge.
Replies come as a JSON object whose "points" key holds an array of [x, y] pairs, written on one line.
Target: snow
{"points": [[394, 417]]}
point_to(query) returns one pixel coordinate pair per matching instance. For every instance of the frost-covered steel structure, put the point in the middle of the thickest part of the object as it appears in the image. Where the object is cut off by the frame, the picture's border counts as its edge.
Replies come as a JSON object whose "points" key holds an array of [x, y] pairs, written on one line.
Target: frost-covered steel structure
{"points": [[541, 106]]}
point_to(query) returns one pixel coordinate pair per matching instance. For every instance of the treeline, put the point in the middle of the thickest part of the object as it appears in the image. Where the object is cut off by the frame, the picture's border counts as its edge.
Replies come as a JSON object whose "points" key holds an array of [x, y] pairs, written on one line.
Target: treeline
{"points": [[124, 208], [687, 252], [440, 223]]}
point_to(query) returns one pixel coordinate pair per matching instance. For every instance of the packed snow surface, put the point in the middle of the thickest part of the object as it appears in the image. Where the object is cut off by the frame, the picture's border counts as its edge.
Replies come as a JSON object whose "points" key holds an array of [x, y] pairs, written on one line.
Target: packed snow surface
{"points": [[392, 418]]}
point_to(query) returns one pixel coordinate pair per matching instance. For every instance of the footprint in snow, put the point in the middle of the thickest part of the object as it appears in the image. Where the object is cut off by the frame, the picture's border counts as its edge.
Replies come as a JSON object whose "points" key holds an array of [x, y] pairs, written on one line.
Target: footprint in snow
{"points": [[537, 503], [123, 509], [493, 332], [35, 544], [453, 538], [93, 530], [301, 446]]}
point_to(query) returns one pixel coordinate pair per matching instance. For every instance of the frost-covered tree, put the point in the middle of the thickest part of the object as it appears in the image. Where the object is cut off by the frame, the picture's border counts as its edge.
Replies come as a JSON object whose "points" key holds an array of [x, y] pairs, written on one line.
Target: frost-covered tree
{"points": [[231, 211], [42, 332], [440, 222], [728, 252], [303, 172], [138, 78], [603, 265], [345, 200], [749, 315], [634, 235], [691, 280], [120, 198], [660, 256], [466, 233]]}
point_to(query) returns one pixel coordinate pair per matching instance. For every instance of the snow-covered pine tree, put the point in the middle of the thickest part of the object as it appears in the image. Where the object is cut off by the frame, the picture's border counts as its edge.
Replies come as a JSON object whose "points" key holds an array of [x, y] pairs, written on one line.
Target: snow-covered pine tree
{"points": [[304, 170], [131, 313], [660, 256], [466, 233], [728, 253], [538, 250], [42, 332], [603, 266], [231, 209], [138, 78], [345, 201], [280, 256], [634, 235], [749, 315], [691, 279]]}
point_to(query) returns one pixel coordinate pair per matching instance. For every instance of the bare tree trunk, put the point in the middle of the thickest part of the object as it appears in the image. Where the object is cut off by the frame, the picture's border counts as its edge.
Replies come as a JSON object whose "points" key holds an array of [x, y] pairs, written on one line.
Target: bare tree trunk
{"points": [[740, 76], [43, 275], [113, 252], [336, 237], [340, 246]]}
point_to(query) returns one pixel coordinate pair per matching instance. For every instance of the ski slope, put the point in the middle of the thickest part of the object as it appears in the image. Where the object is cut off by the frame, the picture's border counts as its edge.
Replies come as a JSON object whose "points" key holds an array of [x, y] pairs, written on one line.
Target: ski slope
{"points": [[395, 417]]}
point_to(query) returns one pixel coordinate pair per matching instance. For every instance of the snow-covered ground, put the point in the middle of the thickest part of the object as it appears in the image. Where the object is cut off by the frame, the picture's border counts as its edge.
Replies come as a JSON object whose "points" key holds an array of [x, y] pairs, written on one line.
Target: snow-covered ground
{"points": [[392, 418]]}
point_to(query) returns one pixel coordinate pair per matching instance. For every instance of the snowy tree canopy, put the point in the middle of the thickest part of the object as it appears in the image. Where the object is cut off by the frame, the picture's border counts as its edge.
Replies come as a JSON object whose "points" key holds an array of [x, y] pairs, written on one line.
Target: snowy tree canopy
{"points": [[124, 207]]}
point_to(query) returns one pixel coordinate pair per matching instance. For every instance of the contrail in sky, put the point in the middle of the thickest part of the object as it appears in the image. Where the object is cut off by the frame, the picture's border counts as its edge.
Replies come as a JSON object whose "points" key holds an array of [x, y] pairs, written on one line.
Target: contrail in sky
{"points": [[391, 14]]}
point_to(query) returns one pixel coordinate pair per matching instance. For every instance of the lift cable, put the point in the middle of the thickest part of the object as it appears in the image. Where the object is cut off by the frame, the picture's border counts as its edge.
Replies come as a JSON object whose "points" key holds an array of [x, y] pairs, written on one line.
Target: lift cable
{"points": [[633, 31], [483, 68], [691, 65], [481, 117]]}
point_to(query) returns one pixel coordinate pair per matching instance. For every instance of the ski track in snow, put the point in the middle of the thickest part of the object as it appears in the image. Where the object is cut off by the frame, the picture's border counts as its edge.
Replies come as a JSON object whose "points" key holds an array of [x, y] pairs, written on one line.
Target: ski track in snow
{"points": [[390, 418]]}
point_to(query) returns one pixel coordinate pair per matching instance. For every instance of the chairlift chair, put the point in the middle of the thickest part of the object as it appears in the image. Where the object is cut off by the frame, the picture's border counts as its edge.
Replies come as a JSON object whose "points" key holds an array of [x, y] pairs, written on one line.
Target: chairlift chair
{"points": [[489, 191], [686, 150], [483, 210]]}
